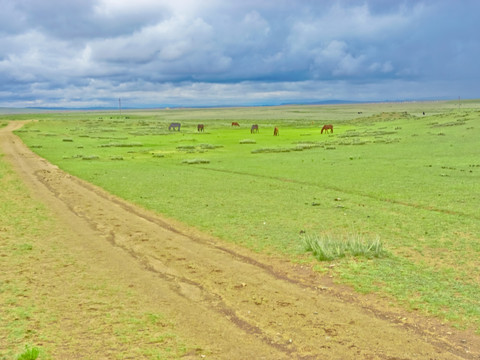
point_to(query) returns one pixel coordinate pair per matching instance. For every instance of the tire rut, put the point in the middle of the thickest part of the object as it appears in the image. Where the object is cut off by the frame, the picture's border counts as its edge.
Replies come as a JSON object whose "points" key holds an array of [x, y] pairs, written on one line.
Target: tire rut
{"points": [[346, 191]]}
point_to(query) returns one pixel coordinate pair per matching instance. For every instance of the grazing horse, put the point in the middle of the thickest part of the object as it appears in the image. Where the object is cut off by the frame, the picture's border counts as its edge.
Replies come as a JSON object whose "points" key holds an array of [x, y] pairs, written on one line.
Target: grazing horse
{"points": [[235, 124], [275, 132], [200, 127], [174, 126], [254, 129], [326, 128]]}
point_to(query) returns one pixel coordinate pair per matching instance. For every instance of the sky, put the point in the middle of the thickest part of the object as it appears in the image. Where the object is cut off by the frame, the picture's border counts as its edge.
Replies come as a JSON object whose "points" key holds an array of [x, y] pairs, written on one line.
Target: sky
{"points": [[157, 53]]}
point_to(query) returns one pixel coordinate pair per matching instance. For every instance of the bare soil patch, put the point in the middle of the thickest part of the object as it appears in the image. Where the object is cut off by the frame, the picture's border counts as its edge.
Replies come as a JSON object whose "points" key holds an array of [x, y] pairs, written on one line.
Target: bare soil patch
{"points": [[227, 301]]}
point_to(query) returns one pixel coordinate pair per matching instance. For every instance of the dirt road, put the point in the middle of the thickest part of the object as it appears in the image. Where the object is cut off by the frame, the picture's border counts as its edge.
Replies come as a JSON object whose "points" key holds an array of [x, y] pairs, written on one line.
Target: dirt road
{"points": [[232, 303]]}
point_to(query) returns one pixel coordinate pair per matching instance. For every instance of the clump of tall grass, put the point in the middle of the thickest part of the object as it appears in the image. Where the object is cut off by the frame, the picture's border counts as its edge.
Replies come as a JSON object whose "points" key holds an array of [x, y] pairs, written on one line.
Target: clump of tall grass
{"points": [[30, 353], [327, 247]]}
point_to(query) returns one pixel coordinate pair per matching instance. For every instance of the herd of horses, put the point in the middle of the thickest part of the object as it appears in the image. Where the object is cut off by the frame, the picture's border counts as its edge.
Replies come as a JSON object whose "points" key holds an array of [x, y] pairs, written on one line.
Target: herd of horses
{"points": [[254, 129]]}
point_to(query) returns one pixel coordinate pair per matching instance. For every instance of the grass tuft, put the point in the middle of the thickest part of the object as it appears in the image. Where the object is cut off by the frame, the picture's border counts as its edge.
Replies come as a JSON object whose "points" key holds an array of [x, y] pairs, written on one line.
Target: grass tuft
{"points": [[29, 353], [327, 248]]}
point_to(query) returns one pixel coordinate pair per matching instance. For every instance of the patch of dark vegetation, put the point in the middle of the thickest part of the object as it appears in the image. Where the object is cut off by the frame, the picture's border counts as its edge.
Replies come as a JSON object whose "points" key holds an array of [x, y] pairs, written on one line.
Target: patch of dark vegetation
{"points": [[374, 133], [350, 134], [148, 132], [107, 130], [353, 142], [90, 157], [386, 141], [210, 146], [381, 133], [383, 117], [134, 144], [186, 147], [271, 150], [298, 147], [197, 148], [109, 138], [195, 161], [307, 146], [450, 123]]}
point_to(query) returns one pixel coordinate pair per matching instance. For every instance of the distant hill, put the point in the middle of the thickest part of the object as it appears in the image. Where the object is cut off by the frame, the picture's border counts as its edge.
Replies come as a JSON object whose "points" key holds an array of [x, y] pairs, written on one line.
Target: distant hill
{"points": [[324, 102]]}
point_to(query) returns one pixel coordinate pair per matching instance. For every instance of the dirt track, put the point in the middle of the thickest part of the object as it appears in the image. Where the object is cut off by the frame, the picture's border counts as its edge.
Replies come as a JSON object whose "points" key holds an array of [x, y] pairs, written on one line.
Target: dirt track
{"points": [[235, 304]]}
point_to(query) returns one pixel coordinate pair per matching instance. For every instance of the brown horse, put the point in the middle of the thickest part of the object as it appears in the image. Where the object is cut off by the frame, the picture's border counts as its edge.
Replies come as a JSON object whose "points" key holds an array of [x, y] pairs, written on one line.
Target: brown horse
{"points": [[200, 127], [254, 129], [275, 132], [235, 124], [326, 128]]}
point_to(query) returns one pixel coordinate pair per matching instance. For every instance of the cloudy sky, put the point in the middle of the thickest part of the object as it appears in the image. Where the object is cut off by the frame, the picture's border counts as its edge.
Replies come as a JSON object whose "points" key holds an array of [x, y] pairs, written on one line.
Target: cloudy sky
{"points": [[153, 53]]}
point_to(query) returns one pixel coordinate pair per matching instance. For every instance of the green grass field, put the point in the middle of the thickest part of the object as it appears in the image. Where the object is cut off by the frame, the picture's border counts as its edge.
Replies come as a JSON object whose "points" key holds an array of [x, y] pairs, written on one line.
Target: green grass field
{"points": [[388, 174]]}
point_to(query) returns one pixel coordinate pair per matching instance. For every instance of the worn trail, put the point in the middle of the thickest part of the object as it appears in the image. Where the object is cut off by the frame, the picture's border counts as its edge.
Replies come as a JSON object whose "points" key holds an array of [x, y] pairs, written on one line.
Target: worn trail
{"points": [[236, 304]]}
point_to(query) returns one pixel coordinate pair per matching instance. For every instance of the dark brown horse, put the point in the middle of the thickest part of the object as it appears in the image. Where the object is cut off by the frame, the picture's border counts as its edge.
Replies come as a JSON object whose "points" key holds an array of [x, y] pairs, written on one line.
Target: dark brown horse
{"points": [[200, 127], [235, 124], [254, 129], [326, 128], [275, 132]]}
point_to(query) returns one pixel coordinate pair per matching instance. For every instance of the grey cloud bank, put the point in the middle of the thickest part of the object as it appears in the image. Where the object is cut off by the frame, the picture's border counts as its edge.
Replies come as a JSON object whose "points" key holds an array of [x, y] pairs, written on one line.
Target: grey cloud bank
{"points": [[149, 53]]}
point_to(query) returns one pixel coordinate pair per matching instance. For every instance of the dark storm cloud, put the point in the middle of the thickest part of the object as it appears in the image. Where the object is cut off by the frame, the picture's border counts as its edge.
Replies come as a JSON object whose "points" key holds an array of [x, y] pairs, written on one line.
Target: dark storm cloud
{"points": [[57, 52]]}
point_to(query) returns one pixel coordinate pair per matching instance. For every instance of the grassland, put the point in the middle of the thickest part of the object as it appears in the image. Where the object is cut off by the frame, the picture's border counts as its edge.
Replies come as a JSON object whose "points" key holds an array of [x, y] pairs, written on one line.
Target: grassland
{"points": [[387, 173]]}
